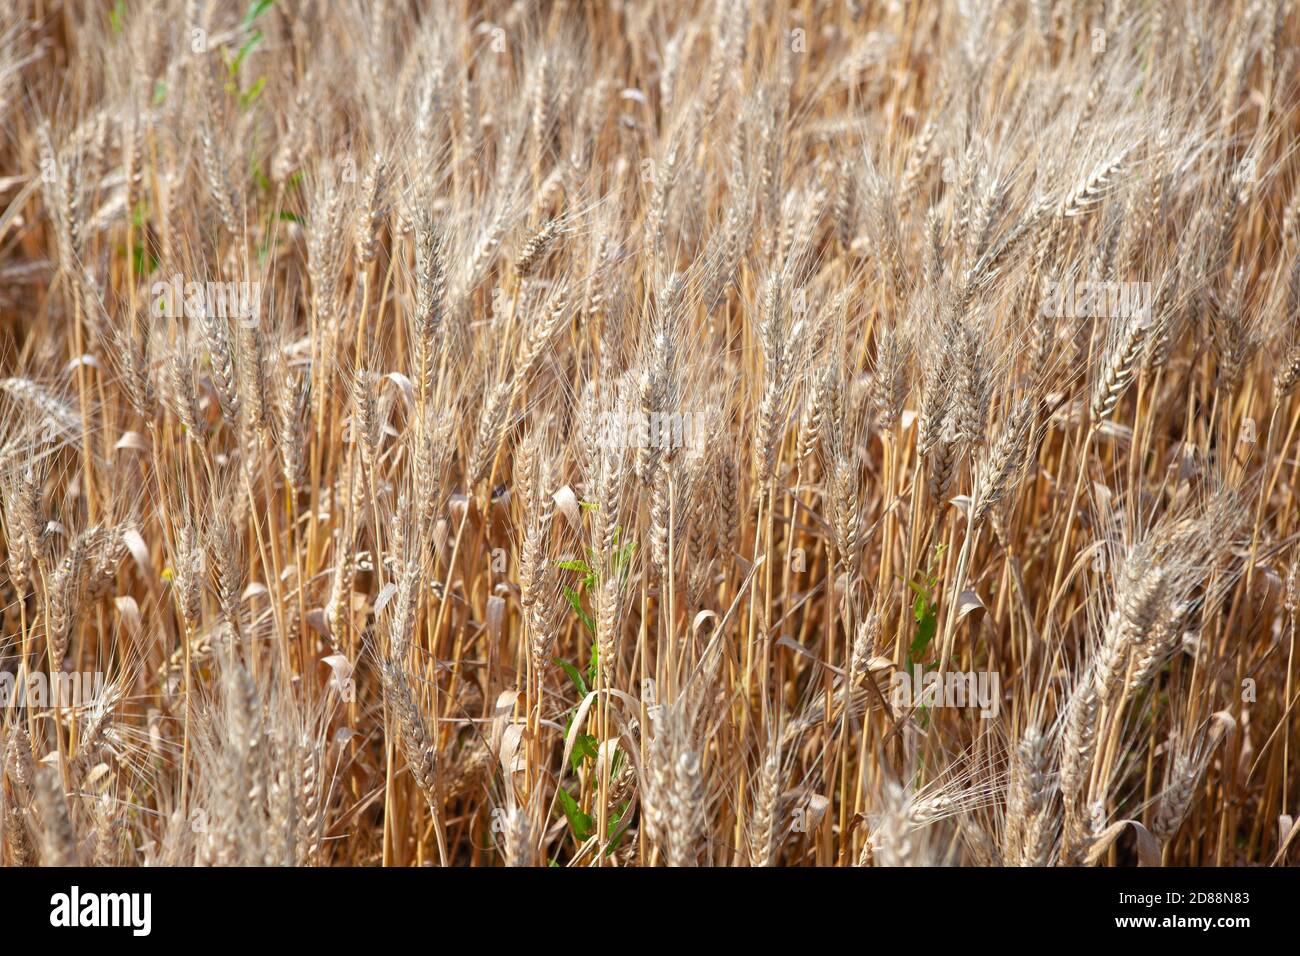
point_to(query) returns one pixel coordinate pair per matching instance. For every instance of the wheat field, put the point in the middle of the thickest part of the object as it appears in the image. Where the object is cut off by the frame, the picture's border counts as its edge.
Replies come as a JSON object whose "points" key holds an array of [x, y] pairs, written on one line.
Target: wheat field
{"points": [[737, 433]]}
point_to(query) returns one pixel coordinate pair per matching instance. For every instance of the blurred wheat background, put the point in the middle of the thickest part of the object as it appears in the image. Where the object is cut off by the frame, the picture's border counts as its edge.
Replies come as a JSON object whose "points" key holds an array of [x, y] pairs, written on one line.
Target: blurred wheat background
{"points": [[606, 408]]}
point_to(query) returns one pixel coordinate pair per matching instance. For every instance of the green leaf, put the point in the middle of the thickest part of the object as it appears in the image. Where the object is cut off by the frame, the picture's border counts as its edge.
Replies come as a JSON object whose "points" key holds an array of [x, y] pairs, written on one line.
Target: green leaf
{"points": [[116, 14], [579, 822], [575, 675], [249, 45], [921, 592], [582, 567], [246, 99], [255, 10], [584, 746], [575, 602], [614, 820], [924, 613], [159, 93], [926, 625], [145, 263], [259, 177], [623, 558]]}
